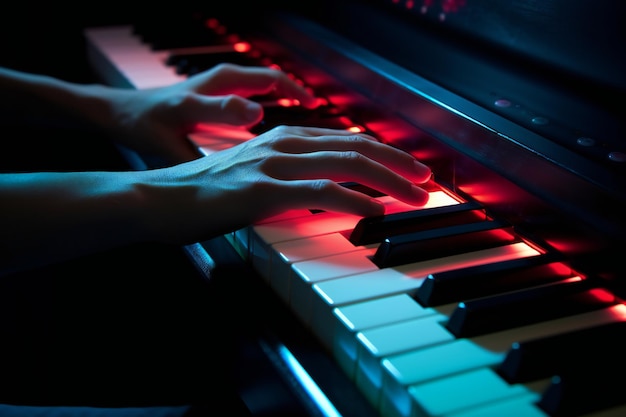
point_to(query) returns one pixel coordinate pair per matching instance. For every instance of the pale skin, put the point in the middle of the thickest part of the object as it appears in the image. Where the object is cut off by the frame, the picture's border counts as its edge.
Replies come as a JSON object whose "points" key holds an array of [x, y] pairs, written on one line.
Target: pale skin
{"points": [[51, 216]]}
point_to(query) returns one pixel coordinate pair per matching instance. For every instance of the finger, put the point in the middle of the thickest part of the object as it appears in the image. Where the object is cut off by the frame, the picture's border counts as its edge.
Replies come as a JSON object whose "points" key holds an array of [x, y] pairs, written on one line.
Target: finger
{"points": [[393, 158], [307, 133], [248, 81], [346, 166], [231, 109], [329, 196]]}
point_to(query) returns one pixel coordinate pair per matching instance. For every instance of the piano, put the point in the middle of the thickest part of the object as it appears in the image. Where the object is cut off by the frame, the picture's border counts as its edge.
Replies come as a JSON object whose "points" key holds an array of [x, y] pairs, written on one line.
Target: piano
{"points": [[505, 294]]}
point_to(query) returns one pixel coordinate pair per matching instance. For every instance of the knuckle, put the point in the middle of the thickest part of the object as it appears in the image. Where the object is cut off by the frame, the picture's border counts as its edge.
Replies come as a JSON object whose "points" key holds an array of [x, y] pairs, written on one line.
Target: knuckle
{"points": [[230, 101], [322, 186], [225, 68], [281, 129], [180, 100], [351, 156]]}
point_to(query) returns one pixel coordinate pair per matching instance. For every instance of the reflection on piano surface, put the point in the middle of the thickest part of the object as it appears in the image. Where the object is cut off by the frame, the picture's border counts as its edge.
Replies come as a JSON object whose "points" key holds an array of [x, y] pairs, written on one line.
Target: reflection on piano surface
{"points": [[503, 296]]}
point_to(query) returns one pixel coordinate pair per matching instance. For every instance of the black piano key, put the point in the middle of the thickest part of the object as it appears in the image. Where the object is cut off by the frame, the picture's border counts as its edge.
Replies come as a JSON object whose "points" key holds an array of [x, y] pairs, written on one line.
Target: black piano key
{"points": [[187, 38], [490, 279], [505, 311], [376, 229], [584, 390], [531, 360], [180, 31], [362, 188], [440, 242], [190, 64]]}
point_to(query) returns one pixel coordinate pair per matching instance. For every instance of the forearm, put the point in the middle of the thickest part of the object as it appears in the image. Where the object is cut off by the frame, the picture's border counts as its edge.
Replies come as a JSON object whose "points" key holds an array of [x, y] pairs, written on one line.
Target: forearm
{"points": [[49, 100], [55, 216]]}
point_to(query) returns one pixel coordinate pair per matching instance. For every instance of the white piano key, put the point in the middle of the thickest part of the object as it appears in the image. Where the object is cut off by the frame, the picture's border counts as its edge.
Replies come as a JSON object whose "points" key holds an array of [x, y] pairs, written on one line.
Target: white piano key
{"points": [[242, 236], [518, 406], [377, 343], [287, 253], [354, 318], [463, 391], [263, 236], [428, 363], [352, 289], [313, 225], [307, 273]]}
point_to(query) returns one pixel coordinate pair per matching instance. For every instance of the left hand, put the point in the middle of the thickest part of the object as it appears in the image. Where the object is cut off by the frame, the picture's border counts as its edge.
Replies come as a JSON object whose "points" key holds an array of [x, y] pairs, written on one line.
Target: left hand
{"points": [[157, 121]]}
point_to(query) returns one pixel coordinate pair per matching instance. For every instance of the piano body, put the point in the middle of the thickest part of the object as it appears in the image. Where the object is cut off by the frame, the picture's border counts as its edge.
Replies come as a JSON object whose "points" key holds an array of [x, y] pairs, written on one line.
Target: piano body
{"points": [[503, 296]]}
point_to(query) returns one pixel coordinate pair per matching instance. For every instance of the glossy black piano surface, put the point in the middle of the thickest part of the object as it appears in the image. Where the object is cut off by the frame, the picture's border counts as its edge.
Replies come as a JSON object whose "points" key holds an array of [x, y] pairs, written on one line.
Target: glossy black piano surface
{"points": [[528, 138]]}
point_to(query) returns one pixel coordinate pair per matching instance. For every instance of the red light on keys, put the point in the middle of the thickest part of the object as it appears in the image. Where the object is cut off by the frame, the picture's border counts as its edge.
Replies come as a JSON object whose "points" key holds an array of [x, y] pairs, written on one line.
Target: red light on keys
{"points": [[602, 295], [356, 129], [287, 102], [321, 102], [242, 47], [212, 23], [351, 126]]}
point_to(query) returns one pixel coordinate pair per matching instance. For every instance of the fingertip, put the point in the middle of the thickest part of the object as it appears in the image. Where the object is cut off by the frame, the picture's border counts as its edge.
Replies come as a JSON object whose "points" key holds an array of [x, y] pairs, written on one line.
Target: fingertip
{"points": [[420, 195], [423, 172], [253, 112], [374, 208]]}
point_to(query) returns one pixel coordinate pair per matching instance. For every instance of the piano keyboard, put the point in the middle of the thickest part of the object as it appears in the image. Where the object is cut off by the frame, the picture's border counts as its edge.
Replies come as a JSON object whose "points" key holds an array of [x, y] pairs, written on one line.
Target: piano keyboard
{"points": [[437, 311]]}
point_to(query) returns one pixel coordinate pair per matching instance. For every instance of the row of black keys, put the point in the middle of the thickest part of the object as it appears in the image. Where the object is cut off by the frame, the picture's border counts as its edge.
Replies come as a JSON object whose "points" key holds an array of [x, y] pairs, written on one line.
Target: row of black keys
{"points": [[491, 297]]}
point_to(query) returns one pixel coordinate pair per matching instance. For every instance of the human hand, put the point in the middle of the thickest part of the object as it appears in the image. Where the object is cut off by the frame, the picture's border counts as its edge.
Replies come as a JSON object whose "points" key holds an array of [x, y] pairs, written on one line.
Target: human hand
{"points": [[157, 121], [285, 168]]}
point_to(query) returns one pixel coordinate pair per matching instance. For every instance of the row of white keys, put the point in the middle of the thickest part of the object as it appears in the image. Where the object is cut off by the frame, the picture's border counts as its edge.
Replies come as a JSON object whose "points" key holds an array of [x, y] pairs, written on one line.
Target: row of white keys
{"points": [[134, 63]]}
